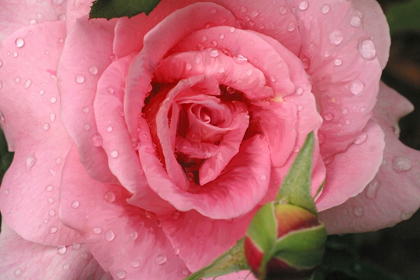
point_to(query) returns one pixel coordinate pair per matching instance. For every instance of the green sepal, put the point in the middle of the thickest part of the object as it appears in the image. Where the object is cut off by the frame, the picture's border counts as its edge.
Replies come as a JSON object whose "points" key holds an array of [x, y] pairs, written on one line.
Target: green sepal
{"points": [[296, 186], [120, 8], [263, 228], [231, 261], [302, 249]]}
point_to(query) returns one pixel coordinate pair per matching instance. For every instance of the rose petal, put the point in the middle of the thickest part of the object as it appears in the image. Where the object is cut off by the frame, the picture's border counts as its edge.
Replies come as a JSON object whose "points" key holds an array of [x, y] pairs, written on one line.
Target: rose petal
{"points": [[240, 275], [125, 240], [27, 260], [394, 194], [74, 10], [207, 238], [80, 67], [177, 25], [375, 23], [234, 193], [17, 14], [28, 88], [363, 158]]}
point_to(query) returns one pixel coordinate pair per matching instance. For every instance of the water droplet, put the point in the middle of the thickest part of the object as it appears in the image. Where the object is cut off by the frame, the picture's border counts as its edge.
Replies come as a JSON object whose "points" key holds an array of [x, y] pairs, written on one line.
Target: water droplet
{"points": [[299, 91], [93, 70], [283, 10], [97, 140], [254, 14], [121, 274], [249, 72], [61, 250], [30, 162], [84, 256], [222, 36], [367, 49], [27, 84], [303, 5], [109, 235], [221, 70], [355, 21], [50, 200], [361, 139], [41, 92], [232, 29], [75, 204], [60, 40], [52, 117], [1, 63], [6, 192], [18, 272], [15, 54], [109, 129], [401, 164], [347, 122], [358, 211], [405, 215], [53, 100], [76, 246], [325, 9], [79, 79], [291, 27], [213, 10], [363, 109], [328, 117], [356, 86], [175, 215], [17, 80], [66, 267], [2, 119], [135, 263], [51, 213], [133, 235], [176, 251], [86, 127], [158, 223], [336, 37], [53, 230], [243, 9], [114, 153], [97, 230], [46, 126], [185, 272], [372, 188], [86, 110], [109, 197], [338, 62], [160, 259]]}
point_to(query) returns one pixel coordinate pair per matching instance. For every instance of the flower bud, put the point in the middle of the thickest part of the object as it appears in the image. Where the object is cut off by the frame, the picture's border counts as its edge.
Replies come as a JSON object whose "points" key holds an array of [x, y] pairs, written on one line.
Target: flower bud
{"points": [[284, 241]]}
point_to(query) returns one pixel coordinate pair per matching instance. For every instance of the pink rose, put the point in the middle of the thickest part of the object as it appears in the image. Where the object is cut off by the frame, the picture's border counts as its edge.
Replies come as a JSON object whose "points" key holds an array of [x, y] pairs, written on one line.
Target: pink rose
{"points": [[143, 146]]}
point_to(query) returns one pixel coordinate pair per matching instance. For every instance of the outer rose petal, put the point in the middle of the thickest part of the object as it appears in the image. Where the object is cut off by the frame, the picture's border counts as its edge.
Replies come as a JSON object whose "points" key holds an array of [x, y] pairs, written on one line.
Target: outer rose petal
{"points": [[23, 259], [79, 70], [28, 88], [126, 240], [240, 275], [17, 14], [74, 10], [394, 194], [374, 22]]}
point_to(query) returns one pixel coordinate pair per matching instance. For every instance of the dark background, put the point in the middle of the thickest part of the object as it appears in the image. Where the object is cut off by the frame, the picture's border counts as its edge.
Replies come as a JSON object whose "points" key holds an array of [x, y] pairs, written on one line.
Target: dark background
{"points": [[391, 253]]}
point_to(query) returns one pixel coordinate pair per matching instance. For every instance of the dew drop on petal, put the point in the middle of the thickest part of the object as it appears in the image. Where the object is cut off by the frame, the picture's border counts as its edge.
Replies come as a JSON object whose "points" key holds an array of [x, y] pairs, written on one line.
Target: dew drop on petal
{"points": [[214, 53], [53, 100], [133, 235], [283, 10], [121, 274], [20, 42], [75, 204], [185, 272], [79, 79], [338, 62], [291, 27], [27, 84], [372, 188], [263, 177], [97, 140], [46, 126], [109, 235], [336, 37], [97, 230], [135, 263], [109, 197], [53, 230], [325, 9], [2, 119], [18, 272], [30, 162], [93, 70], [61, 250], [328, 117], [355, 21], [358, 211], [76, 246], [160, 259], [356, 87], [51, 213], [361, 138], [84, 256], [176, 251], [367, 49], [401, 164], [405, 215], [114, 153], [303, 5], [86, 127], [109, 129]]}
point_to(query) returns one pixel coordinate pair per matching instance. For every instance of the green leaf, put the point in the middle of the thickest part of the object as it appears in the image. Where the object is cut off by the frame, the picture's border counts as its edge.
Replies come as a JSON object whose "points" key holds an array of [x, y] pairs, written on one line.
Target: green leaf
{"points": [[6, 157], [302, 249], [296, 186], [231, 261], [404, 16], [263, 228], [120, 8]]}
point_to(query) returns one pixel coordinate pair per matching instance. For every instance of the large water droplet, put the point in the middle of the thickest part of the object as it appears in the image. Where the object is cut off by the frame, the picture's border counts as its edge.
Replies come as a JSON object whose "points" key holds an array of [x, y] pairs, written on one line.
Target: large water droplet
{"points": [[79, 79], [61, 250], [20, 42], [30, 162], [109, 197], [356, 86], [160, 259], [336, 37], [214, 53], [367, 49], [121, 274], [325, 9], [303, 5], [109, 235], [18, 272], [401, 164], [361, 139]]}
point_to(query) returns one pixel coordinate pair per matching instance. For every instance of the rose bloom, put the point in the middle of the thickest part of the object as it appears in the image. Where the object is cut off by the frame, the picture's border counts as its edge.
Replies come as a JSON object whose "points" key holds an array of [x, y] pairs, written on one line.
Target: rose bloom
{"points": [[143, 146]]}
